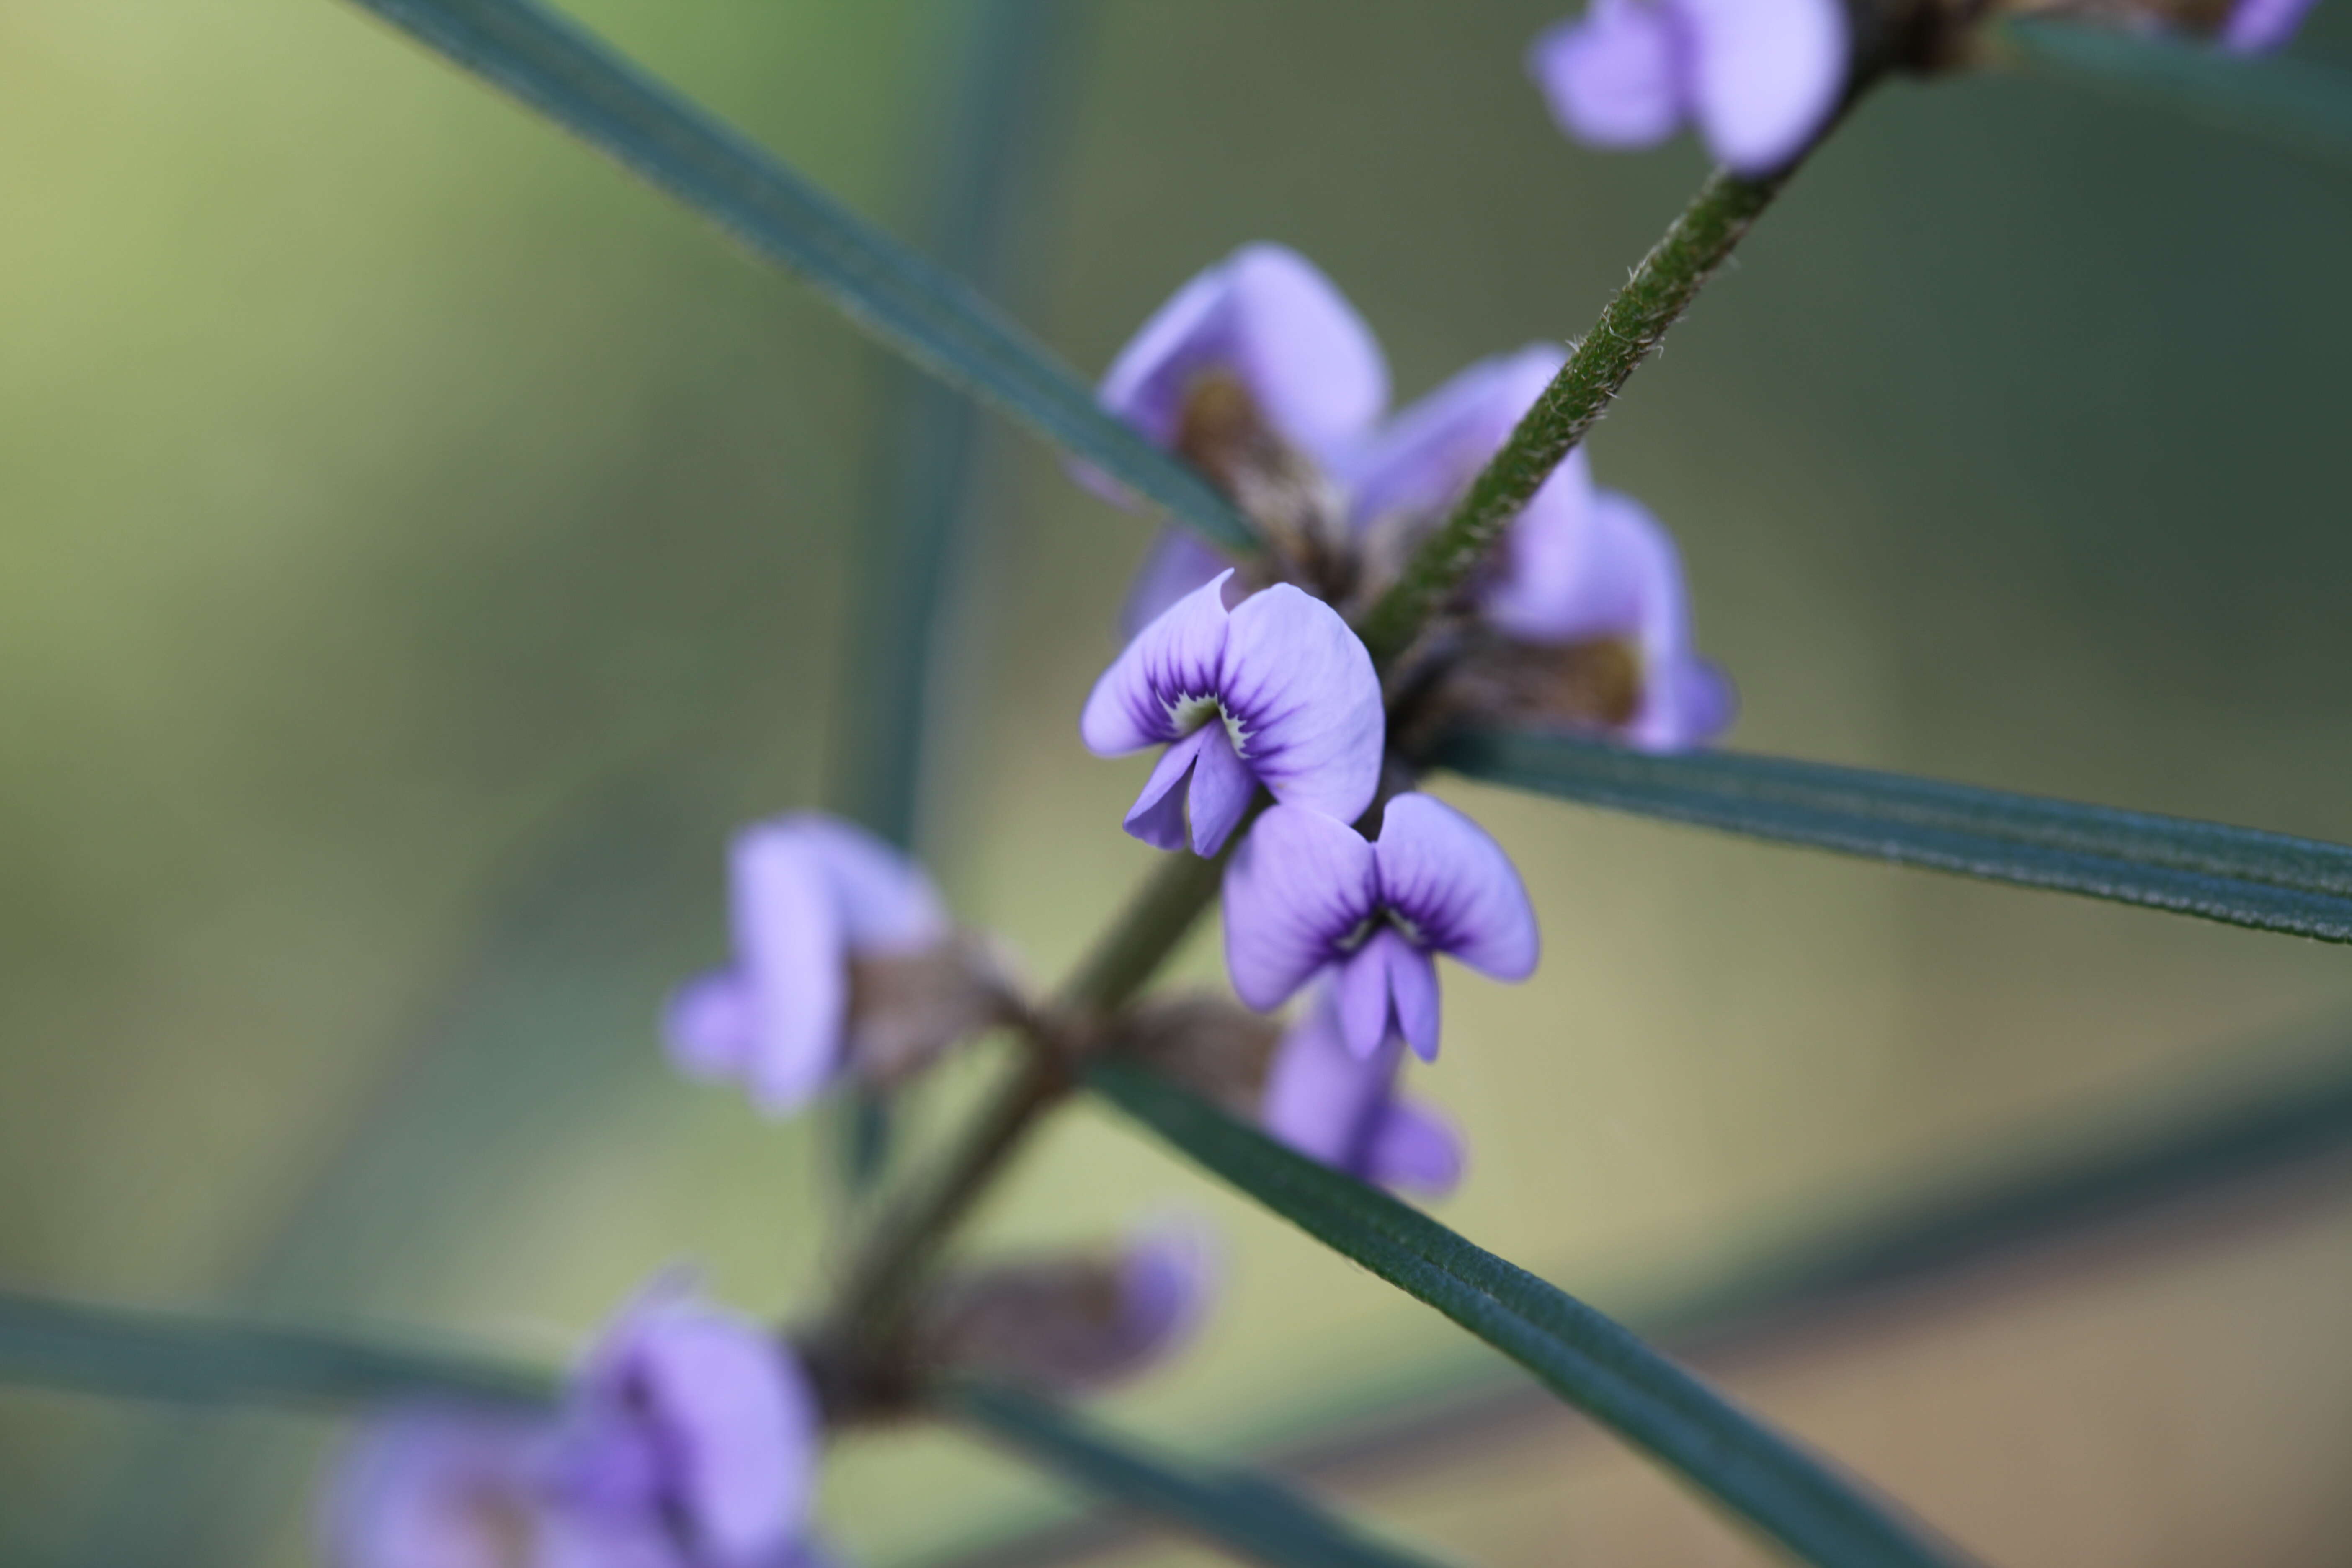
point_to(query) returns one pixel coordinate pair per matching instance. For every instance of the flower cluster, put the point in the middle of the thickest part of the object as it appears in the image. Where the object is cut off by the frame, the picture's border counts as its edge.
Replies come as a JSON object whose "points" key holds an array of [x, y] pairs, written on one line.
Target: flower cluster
{"points": [[1263, 375]]}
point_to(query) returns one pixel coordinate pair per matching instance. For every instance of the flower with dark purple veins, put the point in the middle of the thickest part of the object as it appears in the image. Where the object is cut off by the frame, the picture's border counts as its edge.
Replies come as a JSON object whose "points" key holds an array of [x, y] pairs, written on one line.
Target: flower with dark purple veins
{"points": [[1327, 1103], [1760, 78], [1277, 691], [1261, 375], [689, 1439], [1306, 894], [1585, 577], [837, 936]]}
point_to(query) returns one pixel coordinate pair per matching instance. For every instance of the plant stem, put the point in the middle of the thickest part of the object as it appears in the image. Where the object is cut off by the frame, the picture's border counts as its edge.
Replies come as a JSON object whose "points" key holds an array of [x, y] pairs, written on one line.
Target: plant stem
{"points": [[1660, 290]]}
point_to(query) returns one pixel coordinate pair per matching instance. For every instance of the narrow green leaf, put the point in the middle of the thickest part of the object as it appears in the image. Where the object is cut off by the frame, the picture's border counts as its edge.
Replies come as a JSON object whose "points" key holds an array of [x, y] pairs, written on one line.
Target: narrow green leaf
{"points": [[2295, 102], [1588, 1361], [141, 1354], [912, 306], [1249, 1514], [2238, 875]]}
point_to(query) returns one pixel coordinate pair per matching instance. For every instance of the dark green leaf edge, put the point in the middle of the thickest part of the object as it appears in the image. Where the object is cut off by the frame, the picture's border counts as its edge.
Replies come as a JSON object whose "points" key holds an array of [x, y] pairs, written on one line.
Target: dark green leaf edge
{"points": [[1245, 1512], [184, 1358], [1590, 1361], [2239, 876], [2294, 102], [910, 305]]}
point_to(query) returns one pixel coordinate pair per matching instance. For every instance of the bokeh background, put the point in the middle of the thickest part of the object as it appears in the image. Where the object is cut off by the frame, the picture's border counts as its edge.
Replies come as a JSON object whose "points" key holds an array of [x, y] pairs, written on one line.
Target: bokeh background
{"points": [[420, 545]]}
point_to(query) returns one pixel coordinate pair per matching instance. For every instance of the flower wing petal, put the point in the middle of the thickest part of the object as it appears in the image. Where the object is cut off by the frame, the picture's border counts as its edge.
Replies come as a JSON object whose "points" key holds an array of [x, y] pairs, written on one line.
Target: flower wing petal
{"points": [[708, 1025], [1442, 872], [888, 904], [1766, 74], [1157, 814], [792, 953], [1179, 561], [1302, 686], [1615, 77], [1223, 788], [1429, 453], [1299, 883], [1179, 655], [1319, 1095], [1416, 1149], [1304, 352]]}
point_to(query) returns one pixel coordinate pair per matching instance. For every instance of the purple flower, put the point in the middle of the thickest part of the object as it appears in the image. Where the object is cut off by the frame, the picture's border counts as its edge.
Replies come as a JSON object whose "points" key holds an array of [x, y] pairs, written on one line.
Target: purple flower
{"points": [[1277, 691], [689, 1439], [1579, 565], [2257, 25], [809, 894], [1307, 894], [1261, 373], [1761, 76], [1325, 1101]]}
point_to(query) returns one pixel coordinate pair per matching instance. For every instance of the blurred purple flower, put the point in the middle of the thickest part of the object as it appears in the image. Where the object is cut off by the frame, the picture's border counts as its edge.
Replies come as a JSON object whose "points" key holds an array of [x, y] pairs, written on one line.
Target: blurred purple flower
{"points": [[1761, 76], [1579, 564], [689, 1439], [809, 893], [1262, 374], [1306, 894], [1277, 691], [1325, 1101], [2257, 25]]}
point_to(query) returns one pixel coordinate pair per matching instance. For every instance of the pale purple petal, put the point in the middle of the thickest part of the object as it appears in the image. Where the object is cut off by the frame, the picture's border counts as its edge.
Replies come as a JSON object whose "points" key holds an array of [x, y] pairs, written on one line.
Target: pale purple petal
{"points": [[432, 1486], [1177, 656], [1223, 788], [1440, 870], [1556, 584], [1766, 74], [2257, 25], [1415, 1149], [1299, 883], [1157, 814], [1321, 1097], [792, 954], [1619, 76], [1267, 317], [1367, 1011], [1426, 457], [1413, 994], [1301, 686], [1165, 1282], [887, 903], [729, 1419], [581, 1537], [1685, 701], [709, 1025], [1179, 562]]}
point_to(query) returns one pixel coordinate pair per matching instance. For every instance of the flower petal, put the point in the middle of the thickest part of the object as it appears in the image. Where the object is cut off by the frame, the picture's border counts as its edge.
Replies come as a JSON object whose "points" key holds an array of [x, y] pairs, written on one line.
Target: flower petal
{"points": [[1766, 74], [1556, 584], [1412, 992], [708, 1025], [431, 1485], [1426, 457], [1440, 870], [1299, 882], [1301, 685], [1685, 701], [792, 953], [1166, 1279], [1179, 561], [1322, 1099], [1267, 317], [1617, 76], [1415, 1149], [1366, 1013], [1223, 788], [887, 902], [1157, 814], [733, 1420], [1180, 655], [2257, 25]]}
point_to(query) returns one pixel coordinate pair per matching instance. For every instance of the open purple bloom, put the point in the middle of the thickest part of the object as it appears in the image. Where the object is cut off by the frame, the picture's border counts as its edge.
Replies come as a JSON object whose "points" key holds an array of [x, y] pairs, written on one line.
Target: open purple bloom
{"points": [[1277, 691], [1579, 566], [2257, 25], [1260, 373], [689, 1439], [809, 893], [1306, 894], [1325, 1101], [1759, 77]]}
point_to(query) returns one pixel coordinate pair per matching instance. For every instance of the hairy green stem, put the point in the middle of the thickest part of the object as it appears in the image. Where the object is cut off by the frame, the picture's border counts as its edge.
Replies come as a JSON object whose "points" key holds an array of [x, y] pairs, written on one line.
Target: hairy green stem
{"points": [[1660, 290]]}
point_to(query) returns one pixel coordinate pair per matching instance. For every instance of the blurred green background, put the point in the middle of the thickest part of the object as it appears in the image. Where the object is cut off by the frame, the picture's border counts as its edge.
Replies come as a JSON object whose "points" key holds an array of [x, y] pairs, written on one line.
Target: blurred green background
{"points": [[423, 545]]}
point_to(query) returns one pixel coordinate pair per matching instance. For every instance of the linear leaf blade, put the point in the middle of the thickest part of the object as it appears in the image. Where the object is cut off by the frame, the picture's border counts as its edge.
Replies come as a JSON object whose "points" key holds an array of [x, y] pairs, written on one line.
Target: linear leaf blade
{"points": [[1587, 1359], [2242, 876], [1249, 1514], [2296, 102], [915, 308], [142, 1354]]}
